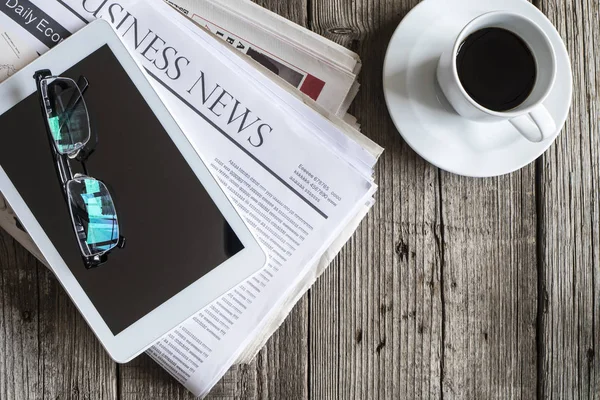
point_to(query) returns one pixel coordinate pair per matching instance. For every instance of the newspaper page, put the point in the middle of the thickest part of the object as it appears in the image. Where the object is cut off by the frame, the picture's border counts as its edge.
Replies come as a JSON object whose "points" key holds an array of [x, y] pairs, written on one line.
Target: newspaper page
{"points": [[347, 140], [296, 194], [14, 53], [319, 78]]}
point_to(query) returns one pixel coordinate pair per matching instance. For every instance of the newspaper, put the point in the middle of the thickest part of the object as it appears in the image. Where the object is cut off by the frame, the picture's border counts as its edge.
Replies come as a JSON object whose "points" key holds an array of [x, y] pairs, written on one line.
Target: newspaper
{"points": [[321, 69], [302, 206]]}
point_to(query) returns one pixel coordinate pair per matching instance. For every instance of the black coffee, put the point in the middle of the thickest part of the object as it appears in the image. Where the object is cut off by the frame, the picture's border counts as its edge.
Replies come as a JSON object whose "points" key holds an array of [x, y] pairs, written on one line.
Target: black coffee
{"points": [[496, 68]]}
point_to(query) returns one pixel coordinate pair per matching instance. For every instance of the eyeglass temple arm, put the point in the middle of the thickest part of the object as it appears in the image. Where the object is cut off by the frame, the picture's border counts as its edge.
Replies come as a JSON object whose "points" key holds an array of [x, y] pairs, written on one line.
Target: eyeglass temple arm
{"points": [[83, 85]]}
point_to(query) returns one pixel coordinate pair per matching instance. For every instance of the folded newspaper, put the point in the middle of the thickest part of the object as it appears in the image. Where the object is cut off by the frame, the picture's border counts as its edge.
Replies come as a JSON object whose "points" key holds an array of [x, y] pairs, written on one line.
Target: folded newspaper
{"points": [[319, 68], [306, 151]]}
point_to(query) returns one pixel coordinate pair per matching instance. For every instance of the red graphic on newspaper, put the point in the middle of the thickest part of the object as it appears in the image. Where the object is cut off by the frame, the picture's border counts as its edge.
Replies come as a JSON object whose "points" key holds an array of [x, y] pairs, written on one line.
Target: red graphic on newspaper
{"points": [[308, 84]]}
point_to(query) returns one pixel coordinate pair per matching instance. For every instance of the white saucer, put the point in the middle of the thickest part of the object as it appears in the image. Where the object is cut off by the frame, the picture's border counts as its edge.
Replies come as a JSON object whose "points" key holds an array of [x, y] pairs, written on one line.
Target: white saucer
{"points": [[426, 120]]}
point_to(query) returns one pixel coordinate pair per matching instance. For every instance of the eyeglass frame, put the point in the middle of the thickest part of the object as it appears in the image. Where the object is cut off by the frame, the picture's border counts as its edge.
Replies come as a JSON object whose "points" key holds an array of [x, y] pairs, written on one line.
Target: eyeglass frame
{"points": [[62, 161]]}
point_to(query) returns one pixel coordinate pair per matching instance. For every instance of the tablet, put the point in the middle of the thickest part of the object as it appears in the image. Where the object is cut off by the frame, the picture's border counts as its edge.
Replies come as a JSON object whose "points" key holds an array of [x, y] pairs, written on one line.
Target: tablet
{"points": [[123, 209]]}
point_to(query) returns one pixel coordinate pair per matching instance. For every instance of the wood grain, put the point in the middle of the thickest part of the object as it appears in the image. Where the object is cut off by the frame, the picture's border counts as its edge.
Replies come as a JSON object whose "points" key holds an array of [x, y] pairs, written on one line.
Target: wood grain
{"points": [[376, 313], [570, 219], [490, 296], [436, 296], [19, 345], [48, 349]]}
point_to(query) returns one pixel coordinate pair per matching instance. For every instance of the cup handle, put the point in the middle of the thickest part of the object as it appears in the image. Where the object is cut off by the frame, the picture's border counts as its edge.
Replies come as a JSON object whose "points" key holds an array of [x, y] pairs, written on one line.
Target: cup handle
{"points": [[536, 126]]}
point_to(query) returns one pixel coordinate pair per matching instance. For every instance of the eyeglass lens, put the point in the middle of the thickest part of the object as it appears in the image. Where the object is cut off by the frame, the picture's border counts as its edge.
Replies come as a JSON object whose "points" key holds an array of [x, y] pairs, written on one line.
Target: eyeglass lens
{"points": [[68, 118], [94, 215]]}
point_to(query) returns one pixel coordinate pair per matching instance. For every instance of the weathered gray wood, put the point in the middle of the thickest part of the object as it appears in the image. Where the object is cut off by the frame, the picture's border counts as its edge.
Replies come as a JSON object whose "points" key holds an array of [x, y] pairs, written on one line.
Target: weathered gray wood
{"points": [[48, 351], [437, 293], [570, 219], [376, 313], [490, 286], [19, 347], [490, 278], [294, 10]]}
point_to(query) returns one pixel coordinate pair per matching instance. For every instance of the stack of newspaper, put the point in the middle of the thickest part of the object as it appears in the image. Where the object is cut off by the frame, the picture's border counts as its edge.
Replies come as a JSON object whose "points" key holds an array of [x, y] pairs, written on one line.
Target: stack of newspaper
{"points": [[272, 125], [319, 68]]}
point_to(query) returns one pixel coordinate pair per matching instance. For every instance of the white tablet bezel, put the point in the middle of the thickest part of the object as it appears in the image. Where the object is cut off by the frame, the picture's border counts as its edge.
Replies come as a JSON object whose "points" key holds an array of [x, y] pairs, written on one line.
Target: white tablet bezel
{"points": [[143, 333]]}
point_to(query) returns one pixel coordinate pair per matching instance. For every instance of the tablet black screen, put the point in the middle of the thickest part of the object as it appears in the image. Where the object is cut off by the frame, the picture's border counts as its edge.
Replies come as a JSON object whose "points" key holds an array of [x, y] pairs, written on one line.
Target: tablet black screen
{"points": [[174, 232]]}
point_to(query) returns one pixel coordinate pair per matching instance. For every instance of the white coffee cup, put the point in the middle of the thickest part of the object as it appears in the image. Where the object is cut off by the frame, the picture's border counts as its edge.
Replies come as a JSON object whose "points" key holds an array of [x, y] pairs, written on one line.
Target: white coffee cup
{"points": [[530, 118]]}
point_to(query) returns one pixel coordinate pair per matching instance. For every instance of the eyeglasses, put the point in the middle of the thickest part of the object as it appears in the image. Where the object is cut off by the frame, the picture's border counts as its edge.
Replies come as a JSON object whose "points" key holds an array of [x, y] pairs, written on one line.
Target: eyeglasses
{"points": [[90, 202]]}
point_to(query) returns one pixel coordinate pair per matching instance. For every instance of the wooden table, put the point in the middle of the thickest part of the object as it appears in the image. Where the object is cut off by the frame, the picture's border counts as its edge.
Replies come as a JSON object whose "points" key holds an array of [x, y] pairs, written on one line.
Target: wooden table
{"points": [[452, 287]]}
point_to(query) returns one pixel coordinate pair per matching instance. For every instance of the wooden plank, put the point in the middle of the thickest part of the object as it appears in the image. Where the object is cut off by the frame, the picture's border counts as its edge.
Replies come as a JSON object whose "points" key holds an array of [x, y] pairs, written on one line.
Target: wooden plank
{"points": [[490, 281], [376, 313], [280, 370], [375, 322], [570, 210], [490, 285], [48, 349], [294, 10], [19, 346]]}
